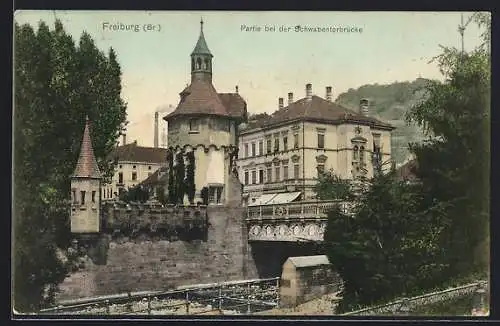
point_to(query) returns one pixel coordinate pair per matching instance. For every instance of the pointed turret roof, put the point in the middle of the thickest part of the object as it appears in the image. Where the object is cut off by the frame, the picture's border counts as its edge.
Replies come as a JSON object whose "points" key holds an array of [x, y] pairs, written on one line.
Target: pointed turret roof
{"points": [[87, 167], [201, 46]]}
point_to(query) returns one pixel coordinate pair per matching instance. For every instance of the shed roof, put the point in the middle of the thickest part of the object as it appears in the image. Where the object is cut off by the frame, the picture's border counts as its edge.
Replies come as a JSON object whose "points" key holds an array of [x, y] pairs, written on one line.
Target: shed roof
{"points": [[307, 261]]}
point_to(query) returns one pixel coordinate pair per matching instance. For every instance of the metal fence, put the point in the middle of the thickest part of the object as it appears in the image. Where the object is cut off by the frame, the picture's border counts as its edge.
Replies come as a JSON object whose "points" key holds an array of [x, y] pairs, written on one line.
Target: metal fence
{"points": [[237, 297], [404, 306]]}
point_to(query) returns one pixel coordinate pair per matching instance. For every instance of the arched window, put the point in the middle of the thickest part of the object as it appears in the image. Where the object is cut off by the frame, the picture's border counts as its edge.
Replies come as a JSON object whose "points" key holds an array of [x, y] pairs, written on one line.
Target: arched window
{"points": [[198, 63], [355, 153], [362, 154]]}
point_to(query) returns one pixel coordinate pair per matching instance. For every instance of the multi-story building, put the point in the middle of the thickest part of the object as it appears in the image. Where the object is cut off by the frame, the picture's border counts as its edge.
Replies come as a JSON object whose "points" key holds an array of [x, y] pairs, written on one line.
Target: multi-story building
{"points": [[281, 156], [205, 124], [134, 165]]}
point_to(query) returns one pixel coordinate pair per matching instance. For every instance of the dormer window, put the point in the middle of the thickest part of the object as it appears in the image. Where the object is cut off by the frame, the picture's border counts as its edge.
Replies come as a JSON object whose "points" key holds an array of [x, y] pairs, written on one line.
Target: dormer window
{"points": [[193, 125]]}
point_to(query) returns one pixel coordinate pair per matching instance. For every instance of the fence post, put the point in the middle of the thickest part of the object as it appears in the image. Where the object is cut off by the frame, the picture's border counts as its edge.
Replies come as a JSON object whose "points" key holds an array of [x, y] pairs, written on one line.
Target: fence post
{"points": [[129, 301], [248, 298], [187, 302], [220, 297], [107, 307], [277, 292]]}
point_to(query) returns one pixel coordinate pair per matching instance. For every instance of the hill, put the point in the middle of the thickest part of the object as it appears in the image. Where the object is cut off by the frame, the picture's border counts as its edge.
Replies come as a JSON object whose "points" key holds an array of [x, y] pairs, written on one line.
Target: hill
{"points": [[390, 103]]}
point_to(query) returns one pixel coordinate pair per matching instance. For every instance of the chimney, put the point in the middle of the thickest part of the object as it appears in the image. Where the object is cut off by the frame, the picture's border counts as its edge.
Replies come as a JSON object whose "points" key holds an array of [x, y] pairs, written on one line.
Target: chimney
{"points": [[280, 103], [236, 89], [124, 139], [364, 106], [329, 93], [156, 130], [290, 98], [308, 92]]}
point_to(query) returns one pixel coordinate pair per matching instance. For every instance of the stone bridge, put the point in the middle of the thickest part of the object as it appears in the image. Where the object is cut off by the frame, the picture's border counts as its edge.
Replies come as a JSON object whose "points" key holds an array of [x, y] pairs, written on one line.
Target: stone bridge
{"points": [[292, 222]]}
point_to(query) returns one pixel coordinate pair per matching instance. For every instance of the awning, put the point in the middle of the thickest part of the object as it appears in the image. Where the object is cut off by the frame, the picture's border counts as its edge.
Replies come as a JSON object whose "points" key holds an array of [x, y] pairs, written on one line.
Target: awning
{"points": [[275, 199]]}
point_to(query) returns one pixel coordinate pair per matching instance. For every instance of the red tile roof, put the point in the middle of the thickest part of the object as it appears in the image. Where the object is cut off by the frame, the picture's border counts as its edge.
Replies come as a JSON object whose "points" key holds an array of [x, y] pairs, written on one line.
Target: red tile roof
{"points": [[317, 109], [201, 98], [133, 153], [87, 167]]}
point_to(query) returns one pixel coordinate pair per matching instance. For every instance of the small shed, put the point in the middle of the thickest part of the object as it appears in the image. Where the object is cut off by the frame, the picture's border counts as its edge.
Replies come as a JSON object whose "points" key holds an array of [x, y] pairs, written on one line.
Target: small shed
{"points": [[305, 278]]}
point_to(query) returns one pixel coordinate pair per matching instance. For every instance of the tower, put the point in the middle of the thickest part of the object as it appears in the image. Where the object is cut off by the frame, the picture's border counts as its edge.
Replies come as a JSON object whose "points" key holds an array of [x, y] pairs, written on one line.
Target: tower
{"points": [[203, 127], [85, 189], [201, 59]]}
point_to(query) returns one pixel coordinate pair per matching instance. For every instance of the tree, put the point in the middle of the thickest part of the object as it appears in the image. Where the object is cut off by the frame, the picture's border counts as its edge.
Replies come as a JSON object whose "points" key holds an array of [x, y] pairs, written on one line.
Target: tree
{"points": [[190, 168], [453, 163], [330, 186], [135, 194], [57, 84], [389, 246]]}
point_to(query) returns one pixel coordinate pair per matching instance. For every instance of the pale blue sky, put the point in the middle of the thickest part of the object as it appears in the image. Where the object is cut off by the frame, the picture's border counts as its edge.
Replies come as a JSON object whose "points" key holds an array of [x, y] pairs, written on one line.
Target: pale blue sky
{"points": [[393, 46]]}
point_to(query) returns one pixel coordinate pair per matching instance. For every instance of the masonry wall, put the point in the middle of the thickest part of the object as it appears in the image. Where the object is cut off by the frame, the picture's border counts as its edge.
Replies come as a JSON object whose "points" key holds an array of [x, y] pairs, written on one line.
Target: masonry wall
{"points": [[146, 264]]}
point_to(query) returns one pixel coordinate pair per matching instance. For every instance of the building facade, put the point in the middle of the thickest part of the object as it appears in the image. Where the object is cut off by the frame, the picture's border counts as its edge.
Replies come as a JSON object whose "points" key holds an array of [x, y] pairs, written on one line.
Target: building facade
{"points": [[280, 156], [205, 123], [134, 164]]}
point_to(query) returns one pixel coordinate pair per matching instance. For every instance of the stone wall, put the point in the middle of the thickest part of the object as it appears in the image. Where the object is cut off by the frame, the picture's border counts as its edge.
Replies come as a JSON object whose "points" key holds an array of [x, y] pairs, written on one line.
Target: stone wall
{"points": [[144, 263]]}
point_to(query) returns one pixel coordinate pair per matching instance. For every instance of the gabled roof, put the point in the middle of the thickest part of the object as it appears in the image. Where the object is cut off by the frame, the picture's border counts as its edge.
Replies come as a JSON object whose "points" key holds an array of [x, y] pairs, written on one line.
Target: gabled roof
{"points": [[307, 261], [317, 109], [201, 46], [87, 167], [201, 98], [159, 176], [133, 153]]}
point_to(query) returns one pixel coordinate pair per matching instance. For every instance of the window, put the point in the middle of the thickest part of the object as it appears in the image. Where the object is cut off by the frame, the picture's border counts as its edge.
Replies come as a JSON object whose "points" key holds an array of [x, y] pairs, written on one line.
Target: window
{"points": [[193, 125], [362, 154], [134, 176], [277, 176], [321, 140], [219, 194], [269, 145], [120, 177], [285, 143], [253, 149], [321, 169], [276, 144], [296, 169], [149, 167], [75, 200], [296, 141], [211, 194], [134, 167], [121, 166], [246, 150], [261, 176], [82, 194], [355, 153], [254, 177], [285, 172], [93, 196], [214, 195], [261, 147], [269, 175], [246, 177]]}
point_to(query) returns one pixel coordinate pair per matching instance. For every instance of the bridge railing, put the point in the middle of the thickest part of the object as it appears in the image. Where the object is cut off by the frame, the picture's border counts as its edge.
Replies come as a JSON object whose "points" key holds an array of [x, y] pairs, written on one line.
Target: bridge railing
{"points": [[303, 209]]}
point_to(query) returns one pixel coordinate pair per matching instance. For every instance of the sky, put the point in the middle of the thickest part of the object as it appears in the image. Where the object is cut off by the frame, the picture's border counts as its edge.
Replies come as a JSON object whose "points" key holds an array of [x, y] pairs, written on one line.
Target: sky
{"points": [[375, 47]]}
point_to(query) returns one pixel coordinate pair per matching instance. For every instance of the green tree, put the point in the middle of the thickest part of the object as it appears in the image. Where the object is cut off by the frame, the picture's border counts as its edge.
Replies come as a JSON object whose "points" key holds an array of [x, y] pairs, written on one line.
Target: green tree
{"points": [[453, 163], [57, 84], [135, 194], [330, 186], [388, 246]]}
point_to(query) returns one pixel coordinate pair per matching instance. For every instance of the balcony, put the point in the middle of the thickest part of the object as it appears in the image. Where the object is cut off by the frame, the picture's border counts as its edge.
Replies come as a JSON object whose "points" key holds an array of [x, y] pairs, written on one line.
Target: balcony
{"points": [[316, 210]]}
